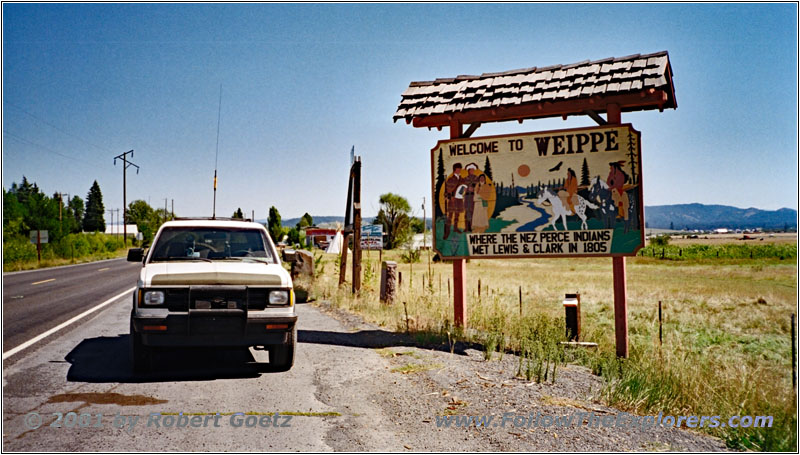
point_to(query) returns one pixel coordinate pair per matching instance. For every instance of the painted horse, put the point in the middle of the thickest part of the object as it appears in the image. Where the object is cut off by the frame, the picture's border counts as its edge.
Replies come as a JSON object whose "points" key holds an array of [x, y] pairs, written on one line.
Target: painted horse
{"points": [[559, 211], [600, 192]]}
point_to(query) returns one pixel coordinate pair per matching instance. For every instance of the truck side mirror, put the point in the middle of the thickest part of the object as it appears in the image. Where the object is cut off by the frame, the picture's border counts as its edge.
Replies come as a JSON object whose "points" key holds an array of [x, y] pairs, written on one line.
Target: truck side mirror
{"points": [[135, 254]]}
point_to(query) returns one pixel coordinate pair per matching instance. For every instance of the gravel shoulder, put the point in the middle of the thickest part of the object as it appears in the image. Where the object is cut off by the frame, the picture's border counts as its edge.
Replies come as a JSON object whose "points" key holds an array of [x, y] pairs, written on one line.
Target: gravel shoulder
{"points": [[418, 384]]}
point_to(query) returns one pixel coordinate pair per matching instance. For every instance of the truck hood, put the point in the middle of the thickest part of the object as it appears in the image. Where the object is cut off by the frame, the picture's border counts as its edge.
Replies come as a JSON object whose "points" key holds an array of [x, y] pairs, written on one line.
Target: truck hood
{"points": [[193, 273]]}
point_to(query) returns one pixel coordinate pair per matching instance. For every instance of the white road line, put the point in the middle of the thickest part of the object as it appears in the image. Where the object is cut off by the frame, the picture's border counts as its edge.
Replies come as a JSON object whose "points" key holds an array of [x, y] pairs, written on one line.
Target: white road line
{"points": [[43, 281], [104, 268], [55, 329], [61, 267]]}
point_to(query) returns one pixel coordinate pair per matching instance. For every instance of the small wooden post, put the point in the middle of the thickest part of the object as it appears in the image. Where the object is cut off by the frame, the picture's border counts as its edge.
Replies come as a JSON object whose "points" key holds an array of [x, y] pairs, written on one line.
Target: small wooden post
{"points": [[479, 288], [343, 261], [659, 323], [520, 300], [405, 309], [794, 356]]}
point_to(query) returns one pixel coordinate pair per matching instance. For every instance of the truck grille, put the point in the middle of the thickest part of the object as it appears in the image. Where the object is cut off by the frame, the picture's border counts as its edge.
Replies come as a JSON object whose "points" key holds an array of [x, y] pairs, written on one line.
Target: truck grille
{"points": [[183, 299]]}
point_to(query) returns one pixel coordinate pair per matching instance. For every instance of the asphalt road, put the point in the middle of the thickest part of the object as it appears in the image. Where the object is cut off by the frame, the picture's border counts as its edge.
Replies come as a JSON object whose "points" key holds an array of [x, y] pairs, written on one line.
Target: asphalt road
{"points": [[36, 301], [85, 369]]}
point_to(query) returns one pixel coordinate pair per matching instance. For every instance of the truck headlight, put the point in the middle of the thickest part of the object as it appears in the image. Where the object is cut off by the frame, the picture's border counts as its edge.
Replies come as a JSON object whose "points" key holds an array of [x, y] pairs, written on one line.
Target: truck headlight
{"points": [[153, 298], [279, 297]]}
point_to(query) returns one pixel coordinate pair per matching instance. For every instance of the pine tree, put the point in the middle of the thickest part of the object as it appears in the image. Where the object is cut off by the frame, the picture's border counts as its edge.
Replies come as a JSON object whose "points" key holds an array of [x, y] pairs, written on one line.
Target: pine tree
{"points": [[440, 178], [94, 218], [238, 215], [585, 173], [487, 169], [632, 156]]}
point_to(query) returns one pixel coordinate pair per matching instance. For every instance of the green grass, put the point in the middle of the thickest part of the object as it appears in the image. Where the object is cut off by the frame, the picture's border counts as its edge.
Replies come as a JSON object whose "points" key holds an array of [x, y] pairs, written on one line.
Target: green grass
{"points": [[20, 254]]}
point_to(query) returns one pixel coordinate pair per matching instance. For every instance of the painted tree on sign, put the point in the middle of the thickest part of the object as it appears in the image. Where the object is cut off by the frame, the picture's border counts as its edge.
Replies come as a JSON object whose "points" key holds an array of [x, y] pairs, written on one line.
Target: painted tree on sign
{"points": [[585, 173], [487, 169], [439, 183], [632, 156]]}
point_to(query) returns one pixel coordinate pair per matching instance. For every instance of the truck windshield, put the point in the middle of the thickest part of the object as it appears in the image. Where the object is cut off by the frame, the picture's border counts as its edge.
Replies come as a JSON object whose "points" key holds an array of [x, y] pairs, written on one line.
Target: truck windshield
{"points": [[188, 243]]}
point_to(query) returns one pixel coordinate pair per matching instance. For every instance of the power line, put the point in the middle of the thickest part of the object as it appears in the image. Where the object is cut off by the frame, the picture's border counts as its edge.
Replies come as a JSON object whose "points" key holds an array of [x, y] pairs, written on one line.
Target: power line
{"points": [[47, 149], [55, 127]]}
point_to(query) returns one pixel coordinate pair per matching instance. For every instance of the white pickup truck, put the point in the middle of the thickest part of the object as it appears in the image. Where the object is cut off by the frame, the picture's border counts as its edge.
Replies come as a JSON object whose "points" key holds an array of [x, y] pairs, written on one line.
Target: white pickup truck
{"points": [[212, 283]]}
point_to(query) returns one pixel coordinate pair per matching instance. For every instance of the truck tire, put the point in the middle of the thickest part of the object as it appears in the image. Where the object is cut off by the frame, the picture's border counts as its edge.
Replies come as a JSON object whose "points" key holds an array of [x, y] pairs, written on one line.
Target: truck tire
{"points": [[281, 358], [141, 355]]}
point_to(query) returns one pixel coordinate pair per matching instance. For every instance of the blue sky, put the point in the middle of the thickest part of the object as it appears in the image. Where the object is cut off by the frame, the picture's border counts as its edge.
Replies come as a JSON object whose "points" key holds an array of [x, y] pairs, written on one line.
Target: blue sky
{"points": [[303, 83]]}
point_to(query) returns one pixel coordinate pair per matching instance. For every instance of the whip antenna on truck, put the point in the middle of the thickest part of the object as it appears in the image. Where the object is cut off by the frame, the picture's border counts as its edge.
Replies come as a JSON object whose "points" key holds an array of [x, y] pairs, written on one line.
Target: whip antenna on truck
{"points": [[216, 155]]}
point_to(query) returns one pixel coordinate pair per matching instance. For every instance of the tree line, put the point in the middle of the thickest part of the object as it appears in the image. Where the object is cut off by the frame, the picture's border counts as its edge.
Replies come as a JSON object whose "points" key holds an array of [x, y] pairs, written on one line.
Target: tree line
{"points": [[399, 226], [26, 208]]}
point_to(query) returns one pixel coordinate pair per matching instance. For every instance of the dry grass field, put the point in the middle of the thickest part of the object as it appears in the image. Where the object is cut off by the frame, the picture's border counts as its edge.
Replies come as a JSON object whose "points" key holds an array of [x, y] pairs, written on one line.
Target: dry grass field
{"points": [[721, 239], [726, 324]]}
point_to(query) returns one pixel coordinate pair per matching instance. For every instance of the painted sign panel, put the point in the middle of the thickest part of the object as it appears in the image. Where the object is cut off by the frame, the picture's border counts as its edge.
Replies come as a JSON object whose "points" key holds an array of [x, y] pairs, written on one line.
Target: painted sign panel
{"points": [[42, 236], [372, 237], [560, 193]]}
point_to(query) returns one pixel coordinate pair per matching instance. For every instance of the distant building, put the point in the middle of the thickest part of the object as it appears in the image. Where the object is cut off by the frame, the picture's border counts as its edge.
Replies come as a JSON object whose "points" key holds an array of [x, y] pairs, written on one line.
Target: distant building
{"points": [[420, 242], [319, 237], [721, 231], [117, 229]]}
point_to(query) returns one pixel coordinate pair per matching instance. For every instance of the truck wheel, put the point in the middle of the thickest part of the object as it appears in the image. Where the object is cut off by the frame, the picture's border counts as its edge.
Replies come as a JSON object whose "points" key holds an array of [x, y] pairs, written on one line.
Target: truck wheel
{"points": [[281, 358], [141, 355]]}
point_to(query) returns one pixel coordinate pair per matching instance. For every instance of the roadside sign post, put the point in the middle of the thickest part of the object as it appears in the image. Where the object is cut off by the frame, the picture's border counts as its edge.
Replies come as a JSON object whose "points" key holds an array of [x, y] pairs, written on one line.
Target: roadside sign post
{"points": [[614, 117], [37, 238], [459, 265], [546, 205]]}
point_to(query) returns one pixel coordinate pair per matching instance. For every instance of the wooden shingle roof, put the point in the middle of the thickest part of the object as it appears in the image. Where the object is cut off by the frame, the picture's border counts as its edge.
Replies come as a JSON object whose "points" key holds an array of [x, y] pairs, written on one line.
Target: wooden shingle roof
{"points": [[635, 82]]}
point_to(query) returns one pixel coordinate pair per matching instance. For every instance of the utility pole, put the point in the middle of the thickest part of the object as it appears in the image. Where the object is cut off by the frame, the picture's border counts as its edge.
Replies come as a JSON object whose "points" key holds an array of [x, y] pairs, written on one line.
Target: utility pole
{"points": [[173, 209], [111, 211], [165, 210], [125, 164]]}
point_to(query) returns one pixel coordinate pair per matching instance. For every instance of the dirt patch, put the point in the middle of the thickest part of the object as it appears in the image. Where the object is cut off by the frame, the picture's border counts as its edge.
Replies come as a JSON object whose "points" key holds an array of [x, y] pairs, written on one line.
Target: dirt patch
{"points": [[467, 385], [105, 398]]}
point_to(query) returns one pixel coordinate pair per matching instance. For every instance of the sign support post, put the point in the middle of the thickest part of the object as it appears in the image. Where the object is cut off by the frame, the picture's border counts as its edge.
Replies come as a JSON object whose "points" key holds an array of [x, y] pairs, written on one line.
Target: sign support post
{"points": [[614, 117], [459, 265]]}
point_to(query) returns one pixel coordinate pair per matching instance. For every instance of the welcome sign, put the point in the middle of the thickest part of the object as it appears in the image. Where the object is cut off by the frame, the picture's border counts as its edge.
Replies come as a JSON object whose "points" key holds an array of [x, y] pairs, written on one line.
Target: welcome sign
{"points": [[561, 193]]}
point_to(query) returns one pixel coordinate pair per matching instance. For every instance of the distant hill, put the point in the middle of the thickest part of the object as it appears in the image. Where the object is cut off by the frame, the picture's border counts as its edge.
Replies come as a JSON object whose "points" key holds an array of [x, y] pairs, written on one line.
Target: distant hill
{"points": [[292, 222], [700, 216], [682, 216]]}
